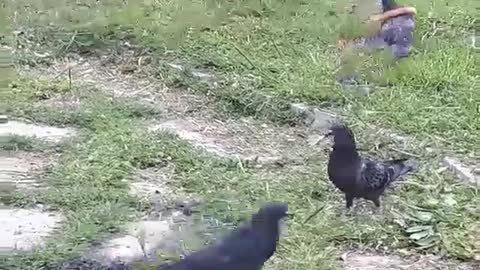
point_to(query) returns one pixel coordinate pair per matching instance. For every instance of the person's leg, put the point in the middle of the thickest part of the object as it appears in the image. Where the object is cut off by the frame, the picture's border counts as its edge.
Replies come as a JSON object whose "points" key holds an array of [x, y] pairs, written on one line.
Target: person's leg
{"points": [[395, 37]]}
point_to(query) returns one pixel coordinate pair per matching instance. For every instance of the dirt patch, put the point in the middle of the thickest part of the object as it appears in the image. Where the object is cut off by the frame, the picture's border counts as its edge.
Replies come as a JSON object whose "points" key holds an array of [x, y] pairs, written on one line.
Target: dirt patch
{"points": [[192, 117], [51, 134], [23, 229], [167, 228], [469, 172], [22, 170], [372, 261], [146, 240], [244, 139], [109, 78], [151, 185]]}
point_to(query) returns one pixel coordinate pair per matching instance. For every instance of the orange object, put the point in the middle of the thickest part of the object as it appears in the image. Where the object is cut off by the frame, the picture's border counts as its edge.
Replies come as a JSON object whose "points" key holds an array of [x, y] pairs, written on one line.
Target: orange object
{"points": [[400, 10]]}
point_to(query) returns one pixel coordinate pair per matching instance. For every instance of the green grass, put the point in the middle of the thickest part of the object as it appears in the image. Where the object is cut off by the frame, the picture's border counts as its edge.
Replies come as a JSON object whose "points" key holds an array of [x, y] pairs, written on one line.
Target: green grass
{"points": [[431, 212], [86, 185], [288, 48], [21, 143], [266, 54]]}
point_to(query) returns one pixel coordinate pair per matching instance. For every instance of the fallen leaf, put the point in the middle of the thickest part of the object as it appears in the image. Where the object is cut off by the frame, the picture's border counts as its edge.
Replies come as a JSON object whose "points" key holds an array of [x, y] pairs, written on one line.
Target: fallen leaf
{"points": [[424, 216], [449, 199], [419, 235], [418, 229]]}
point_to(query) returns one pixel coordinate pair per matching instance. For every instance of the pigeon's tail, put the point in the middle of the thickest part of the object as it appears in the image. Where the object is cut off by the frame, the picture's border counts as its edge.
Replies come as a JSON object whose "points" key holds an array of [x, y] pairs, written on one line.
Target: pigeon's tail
{"points": [[399, 167]]}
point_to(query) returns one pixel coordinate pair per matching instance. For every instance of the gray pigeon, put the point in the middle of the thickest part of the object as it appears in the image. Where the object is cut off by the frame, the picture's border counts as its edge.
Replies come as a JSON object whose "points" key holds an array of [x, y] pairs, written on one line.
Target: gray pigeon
{"points": [[246, 248], [360, 176]]}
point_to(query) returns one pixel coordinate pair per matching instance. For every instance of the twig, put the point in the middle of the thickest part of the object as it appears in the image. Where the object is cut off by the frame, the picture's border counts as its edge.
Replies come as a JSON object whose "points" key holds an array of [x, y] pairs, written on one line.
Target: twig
{"points": [[240, 164], [405, 152], [253, 65], [134, 93], [70, 79], [276, 48], [354, 102], [244, 55], [267, 189], [70, 43], [314, 214], [67, 68]]}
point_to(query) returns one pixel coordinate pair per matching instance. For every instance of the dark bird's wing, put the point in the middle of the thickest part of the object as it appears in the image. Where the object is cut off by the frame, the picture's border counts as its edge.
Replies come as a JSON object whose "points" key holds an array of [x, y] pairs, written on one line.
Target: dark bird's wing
{"points": [[201, 260], [238, 251], [245, 248]]}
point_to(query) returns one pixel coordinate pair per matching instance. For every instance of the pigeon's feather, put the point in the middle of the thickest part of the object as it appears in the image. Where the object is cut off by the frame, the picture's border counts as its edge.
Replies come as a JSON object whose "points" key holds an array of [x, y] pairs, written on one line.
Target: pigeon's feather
{"points": [[373, 174], [246, 248], [361, 176], [399, 167], [234, 253], [378, 175]]}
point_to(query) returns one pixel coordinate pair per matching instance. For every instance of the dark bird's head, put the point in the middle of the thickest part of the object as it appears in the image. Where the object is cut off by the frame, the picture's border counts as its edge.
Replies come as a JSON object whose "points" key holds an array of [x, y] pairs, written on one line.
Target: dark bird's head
{"points": [[268, 223], [342, 135], [272, 212], [270, 216]]}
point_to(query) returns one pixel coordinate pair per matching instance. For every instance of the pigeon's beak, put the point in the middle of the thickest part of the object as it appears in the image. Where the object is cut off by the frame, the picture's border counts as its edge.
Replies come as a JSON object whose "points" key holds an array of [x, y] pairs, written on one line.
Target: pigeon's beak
{"points": [[327, 135], [283, 224]]}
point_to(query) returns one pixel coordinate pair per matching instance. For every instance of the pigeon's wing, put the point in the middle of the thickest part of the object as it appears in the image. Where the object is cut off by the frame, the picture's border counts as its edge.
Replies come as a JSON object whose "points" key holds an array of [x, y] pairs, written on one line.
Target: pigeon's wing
{"points": [[235, 252], [205, 259], [243, 244], [373, 174], [399, 167]]}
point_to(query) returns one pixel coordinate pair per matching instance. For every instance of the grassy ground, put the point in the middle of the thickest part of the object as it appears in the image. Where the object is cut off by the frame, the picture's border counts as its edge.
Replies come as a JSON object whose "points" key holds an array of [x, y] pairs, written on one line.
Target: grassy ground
{"points": [[286, 49], [86, 183]]}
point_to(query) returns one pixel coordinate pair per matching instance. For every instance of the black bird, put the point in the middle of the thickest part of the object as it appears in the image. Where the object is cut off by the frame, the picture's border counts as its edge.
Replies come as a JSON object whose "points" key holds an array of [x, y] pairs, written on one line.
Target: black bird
{"points": [[246, 248], [360, 176]]}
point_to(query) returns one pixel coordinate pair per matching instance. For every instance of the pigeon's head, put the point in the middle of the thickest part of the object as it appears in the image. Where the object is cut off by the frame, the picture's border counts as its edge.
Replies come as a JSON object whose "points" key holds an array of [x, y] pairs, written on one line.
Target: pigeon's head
{"points": [[388, 5], [271, 214], [342, 135], [275, 211]]}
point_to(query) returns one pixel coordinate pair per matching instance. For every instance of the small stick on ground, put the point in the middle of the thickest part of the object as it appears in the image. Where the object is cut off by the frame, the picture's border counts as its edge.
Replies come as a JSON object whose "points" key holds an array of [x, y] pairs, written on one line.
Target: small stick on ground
{"points": [[314, 214]]}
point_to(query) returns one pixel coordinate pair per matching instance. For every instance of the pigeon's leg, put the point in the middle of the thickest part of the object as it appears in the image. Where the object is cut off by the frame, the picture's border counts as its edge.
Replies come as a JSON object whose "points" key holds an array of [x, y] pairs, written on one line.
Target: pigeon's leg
{"points": [[376, 201], [349, 203], [349, 200], [378, 208]]}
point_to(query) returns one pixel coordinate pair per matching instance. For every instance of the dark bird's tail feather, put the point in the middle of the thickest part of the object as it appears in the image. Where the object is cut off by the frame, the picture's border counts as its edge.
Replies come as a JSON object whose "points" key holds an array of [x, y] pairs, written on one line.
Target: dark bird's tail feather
{"points": [[399, 167]]}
